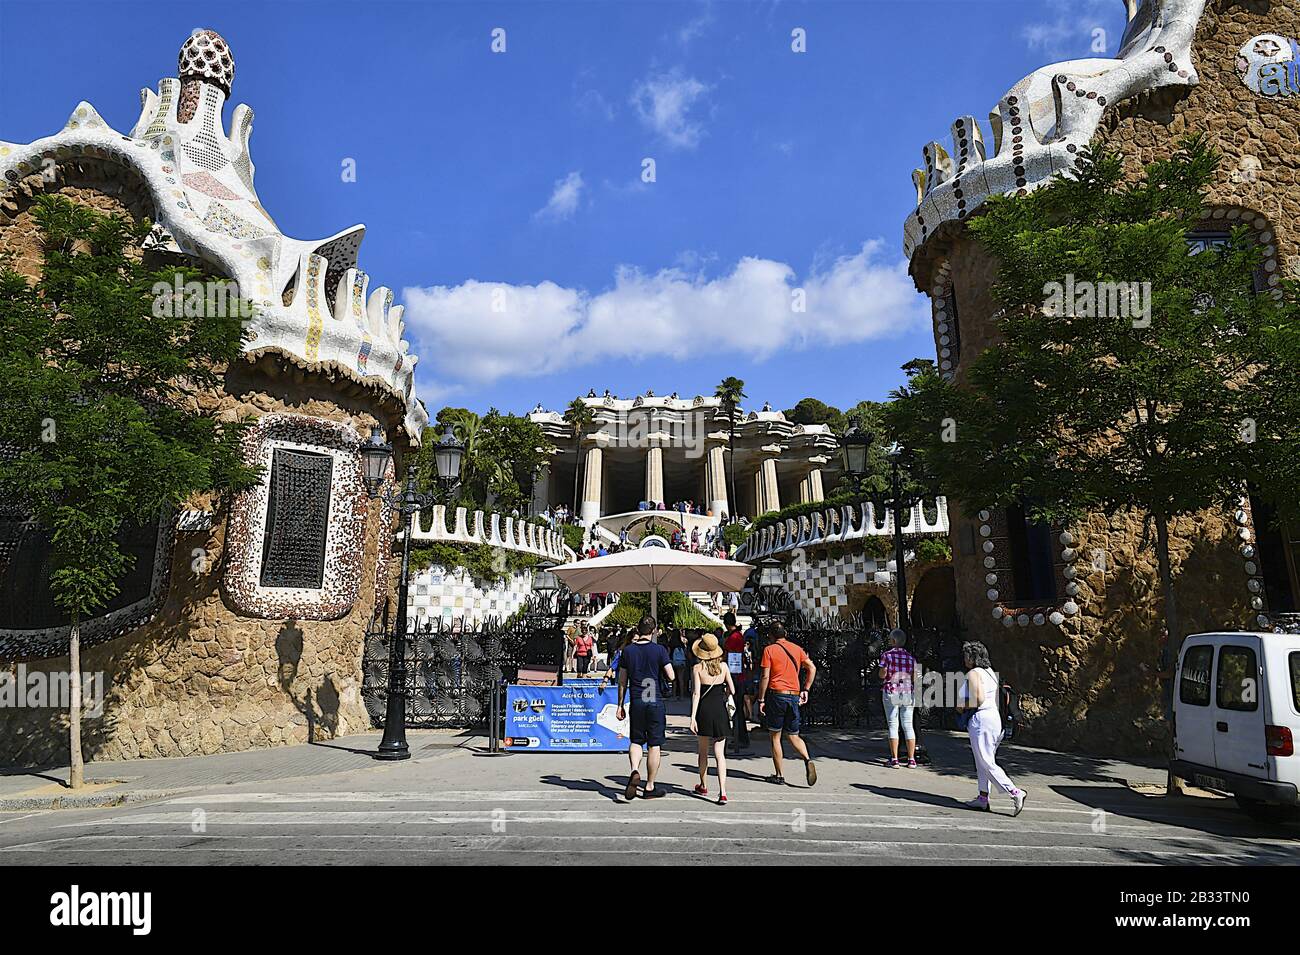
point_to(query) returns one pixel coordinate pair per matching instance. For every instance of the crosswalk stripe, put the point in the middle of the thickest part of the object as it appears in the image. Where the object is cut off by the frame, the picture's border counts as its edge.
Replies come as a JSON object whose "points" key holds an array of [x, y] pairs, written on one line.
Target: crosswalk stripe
{"points": [[626, 845], [623, 818], [797, 799]]}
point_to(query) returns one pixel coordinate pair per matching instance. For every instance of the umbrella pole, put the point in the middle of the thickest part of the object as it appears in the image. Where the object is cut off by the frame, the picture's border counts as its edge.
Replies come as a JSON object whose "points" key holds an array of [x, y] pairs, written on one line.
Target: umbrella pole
{"points": [[654, 603]]}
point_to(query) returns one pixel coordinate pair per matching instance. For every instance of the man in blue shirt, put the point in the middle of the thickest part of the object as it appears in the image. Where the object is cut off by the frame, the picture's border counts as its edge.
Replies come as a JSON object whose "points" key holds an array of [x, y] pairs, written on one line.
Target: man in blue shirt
{"points": [[641, 670]]}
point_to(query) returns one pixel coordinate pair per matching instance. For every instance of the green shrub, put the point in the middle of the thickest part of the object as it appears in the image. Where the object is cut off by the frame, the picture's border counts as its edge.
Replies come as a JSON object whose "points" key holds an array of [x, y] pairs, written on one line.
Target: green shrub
{"points": [[573, 535], [675, 610], [483, 562]]}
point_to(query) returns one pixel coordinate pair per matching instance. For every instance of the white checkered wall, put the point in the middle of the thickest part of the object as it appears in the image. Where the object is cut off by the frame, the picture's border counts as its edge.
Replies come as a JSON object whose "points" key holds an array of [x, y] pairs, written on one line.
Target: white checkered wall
{"points": [[820, 587], [437, 593]]}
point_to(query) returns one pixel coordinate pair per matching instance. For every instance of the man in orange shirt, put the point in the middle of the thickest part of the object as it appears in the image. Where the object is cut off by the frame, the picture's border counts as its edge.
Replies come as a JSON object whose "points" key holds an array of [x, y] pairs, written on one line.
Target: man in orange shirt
{"points": [[788, 674]]}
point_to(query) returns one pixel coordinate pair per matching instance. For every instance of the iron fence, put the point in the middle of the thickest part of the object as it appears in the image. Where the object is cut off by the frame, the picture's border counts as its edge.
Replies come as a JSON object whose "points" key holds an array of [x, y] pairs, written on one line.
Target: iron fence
{"points": [[452, 665]]}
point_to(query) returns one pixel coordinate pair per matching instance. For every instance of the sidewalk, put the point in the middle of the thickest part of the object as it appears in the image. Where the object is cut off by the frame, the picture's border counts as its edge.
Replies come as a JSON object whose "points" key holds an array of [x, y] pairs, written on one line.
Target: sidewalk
{"points": [[115, 783], [133, 781]]}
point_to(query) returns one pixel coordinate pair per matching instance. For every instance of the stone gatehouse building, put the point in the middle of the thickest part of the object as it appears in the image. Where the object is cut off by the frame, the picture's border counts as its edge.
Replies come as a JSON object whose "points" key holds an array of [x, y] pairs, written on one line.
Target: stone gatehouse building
{"points": [[653, 450], [1078, 635], [244, 621]]}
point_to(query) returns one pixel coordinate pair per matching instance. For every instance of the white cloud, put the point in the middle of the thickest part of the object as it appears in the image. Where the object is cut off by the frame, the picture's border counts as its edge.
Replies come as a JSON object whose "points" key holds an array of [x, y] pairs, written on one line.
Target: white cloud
{"points": [[694, 28], [480, 332], [665, 101], [1067, 33], [564, 198]]}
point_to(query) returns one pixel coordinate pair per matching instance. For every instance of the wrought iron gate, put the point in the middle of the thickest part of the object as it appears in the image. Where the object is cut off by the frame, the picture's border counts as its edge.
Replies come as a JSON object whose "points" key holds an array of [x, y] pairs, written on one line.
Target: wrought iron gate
{"points": [[452, 665]]}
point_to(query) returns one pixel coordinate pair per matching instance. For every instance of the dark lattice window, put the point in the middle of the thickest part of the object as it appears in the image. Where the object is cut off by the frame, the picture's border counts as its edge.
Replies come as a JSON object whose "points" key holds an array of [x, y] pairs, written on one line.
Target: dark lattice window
{"points": [[1200, 241], [297, 519], [1032, 573]]}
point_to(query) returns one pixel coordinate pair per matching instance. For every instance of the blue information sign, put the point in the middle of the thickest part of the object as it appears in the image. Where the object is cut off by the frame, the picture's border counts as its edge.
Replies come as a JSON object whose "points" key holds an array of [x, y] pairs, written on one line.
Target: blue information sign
{"points": [[576, 717]]}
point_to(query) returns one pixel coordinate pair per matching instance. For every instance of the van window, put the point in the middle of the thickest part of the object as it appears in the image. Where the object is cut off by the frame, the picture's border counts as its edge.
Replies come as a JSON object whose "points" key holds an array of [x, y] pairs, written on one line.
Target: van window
{"points": [[1237, 687], [1194, 680], [1295, 679]]}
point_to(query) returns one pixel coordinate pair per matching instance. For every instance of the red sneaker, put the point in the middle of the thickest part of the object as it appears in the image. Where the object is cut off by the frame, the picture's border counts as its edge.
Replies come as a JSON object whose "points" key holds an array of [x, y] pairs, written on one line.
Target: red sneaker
{"points": [[722, 800], [701, 789]]}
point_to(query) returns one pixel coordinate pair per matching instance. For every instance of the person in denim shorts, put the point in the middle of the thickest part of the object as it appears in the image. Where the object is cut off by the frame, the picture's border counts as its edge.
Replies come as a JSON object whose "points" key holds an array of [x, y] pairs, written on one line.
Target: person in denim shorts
{"points": [[788, 675]]}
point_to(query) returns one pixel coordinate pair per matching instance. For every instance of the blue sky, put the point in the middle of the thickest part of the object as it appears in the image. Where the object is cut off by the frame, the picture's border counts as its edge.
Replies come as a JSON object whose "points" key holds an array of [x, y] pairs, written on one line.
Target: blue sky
{"points": [[520, 173]]}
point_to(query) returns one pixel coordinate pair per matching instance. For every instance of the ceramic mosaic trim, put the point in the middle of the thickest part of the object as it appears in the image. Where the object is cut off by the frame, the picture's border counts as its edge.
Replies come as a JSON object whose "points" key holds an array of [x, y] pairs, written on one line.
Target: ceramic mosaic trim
{"points": [[947, 341], [358, 313], [315, 322], [209, 185], [997, 564], [345, 537], [166, 93], [1043, 121], [221, 220], [53, 641]]}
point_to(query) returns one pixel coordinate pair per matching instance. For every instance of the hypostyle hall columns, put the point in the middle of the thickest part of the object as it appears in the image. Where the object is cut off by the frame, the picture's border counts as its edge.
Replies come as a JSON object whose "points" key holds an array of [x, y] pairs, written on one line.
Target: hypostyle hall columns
{"points": [[592, 477], [715, 479], [810, 487], [654, 475], [767, 493]]}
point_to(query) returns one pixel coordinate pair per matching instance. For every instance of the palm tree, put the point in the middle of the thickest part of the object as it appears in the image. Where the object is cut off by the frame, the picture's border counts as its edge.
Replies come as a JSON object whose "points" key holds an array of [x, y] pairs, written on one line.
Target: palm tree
{"points": [[731, 389], [579, 417]]}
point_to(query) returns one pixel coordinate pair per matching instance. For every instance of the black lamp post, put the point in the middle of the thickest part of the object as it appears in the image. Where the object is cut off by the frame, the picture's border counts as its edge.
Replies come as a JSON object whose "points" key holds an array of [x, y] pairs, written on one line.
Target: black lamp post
{"points": [[854, 446], [375, 456]]}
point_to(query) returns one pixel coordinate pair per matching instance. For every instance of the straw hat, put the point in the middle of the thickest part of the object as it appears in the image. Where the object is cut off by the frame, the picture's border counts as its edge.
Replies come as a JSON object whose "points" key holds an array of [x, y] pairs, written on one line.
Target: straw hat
{"points": [[706, 648]]}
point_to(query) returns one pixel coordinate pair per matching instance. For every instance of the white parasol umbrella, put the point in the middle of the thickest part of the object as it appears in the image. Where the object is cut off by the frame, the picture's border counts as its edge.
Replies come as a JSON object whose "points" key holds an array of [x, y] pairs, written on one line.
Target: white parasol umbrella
{"points": [[650, 570]]}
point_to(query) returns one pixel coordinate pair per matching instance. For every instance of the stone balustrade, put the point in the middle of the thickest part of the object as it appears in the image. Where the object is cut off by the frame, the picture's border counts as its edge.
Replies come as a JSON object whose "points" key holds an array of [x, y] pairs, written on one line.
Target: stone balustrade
{"points": [[840, 524], [496, 530]]}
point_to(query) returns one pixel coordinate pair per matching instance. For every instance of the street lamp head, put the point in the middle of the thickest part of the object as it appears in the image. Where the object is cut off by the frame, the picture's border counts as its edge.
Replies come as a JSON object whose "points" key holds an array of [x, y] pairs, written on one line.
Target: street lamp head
{"points": [[771, 573], [448, 457], [375, 455], [544, 579], [854, 447]]}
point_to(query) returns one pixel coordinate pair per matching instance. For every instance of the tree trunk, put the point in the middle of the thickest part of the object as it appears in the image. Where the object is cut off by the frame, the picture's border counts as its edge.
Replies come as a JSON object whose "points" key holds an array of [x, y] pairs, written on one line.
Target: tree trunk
{"points": [[77, 769], [1173, 785], [577, 468], [1166, 579], [731, 466]]}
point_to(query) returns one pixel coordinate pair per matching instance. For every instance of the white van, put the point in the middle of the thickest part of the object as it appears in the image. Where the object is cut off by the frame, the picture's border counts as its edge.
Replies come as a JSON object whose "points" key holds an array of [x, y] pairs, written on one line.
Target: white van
{"points": [[1236, 718]]}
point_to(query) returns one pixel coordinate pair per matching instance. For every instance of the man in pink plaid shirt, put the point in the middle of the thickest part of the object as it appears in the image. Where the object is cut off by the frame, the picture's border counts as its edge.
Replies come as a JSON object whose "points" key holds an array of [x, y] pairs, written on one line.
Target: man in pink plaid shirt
{"points": [[898, 671]]}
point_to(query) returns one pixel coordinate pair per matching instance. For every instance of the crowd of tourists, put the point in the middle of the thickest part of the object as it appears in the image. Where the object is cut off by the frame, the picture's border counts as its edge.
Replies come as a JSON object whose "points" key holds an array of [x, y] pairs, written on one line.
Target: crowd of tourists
{"points": [[733, 678]]}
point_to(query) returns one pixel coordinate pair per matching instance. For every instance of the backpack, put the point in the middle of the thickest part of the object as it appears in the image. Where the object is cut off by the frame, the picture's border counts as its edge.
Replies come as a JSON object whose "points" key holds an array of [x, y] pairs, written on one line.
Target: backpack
{"points": [[1008, 709]]}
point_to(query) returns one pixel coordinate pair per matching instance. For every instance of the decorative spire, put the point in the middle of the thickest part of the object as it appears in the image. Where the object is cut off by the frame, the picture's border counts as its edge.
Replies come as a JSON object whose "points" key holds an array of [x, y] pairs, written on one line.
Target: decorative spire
{"points": [[206, 56]]}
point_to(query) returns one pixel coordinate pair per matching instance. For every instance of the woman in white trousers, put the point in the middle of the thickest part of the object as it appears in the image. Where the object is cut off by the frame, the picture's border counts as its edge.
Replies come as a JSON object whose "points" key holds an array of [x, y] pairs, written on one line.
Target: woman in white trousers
{"points": [[985, 727]]}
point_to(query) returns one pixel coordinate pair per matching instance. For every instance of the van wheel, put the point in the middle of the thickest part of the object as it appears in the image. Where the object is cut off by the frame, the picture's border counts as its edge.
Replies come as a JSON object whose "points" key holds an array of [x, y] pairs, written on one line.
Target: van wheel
{"points": [[1266, 813]]}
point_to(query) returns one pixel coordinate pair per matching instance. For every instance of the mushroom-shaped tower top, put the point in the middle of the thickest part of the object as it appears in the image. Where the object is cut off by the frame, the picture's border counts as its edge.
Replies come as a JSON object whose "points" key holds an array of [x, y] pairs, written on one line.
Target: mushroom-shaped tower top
{"points": [[206, 56]]}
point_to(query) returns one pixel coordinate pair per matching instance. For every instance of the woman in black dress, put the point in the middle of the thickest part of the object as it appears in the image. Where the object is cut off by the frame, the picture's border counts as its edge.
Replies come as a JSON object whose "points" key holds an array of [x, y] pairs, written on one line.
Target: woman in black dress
{"points": [[712, 688]]}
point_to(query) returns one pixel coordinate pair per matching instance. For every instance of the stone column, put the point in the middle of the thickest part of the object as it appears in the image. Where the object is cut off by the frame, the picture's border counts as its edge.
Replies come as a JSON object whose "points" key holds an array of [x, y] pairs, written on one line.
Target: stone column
{"points": [[771, 490], [716, 480], [654, 475], [759, 503], [815, 491], [592, 476], [805, 494]]}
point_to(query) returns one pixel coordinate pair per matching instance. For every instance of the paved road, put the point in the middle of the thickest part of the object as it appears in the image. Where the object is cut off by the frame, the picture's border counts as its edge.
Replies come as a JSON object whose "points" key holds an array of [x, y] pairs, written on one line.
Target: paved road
{"points": [[456, 806]]}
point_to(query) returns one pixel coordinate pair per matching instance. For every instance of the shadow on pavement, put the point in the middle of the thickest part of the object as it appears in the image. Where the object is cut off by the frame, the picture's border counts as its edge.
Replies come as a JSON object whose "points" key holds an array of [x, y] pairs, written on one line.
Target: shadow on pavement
{"points": [[912, 795], [1219, 817]]}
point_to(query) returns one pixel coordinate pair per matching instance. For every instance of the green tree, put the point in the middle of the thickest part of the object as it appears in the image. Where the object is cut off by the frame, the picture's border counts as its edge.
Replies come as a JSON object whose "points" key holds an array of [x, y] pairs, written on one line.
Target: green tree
{"points": [[1165, 412], [502, 455], [98, 367], [580, 418], [814, 411], [731, 390]]}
